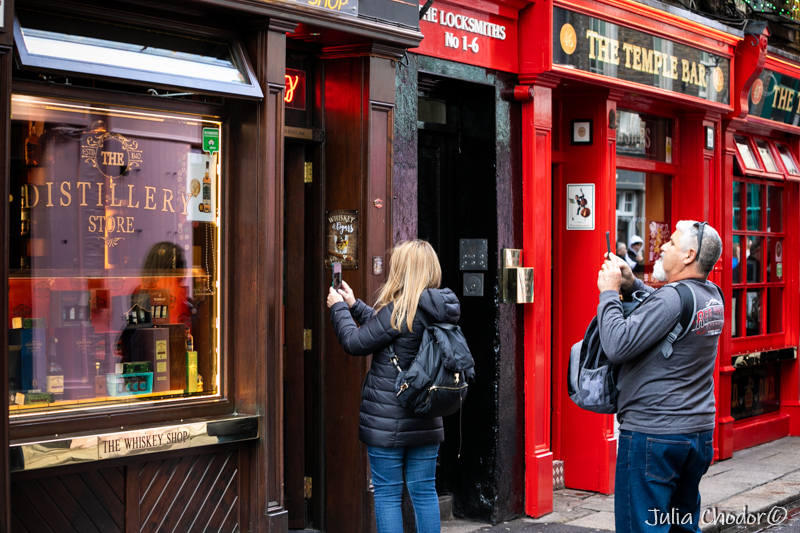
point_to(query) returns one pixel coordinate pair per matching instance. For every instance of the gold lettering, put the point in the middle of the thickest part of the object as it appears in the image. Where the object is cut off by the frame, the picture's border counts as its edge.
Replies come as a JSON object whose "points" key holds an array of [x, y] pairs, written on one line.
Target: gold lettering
{"points": [[113, 158], [591, 35], [614, 51], [130, 224], [114, 201], [637, 58], [673, 67], [782, 98], [120, 224], [693, 77], [167, 200], [149, 193], [701, 75], [775, 97], [49, 194], [684, 71], [130, 198], [31, 189], [185, 199], [647, 61], [99, 194], [110, 225], [789, 100], [92, 225], [65, 192], [658, 60], [627, 48], [83, 185], [602, 49]]}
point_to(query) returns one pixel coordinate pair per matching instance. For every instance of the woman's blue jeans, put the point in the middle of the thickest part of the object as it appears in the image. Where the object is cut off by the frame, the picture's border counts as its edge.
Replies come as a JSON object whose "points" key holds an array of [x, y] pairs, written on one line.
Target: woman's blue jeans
{"points": [[658, 480], [419, 465]]}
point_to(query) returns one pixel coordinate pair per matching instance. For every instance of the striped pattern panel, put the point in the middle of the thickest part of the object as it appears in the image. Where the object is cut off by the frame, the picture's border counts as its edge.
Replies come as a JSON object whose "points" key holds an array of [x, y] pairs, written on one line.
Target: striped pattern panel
{"points": [[187, 494], [88, 502]]}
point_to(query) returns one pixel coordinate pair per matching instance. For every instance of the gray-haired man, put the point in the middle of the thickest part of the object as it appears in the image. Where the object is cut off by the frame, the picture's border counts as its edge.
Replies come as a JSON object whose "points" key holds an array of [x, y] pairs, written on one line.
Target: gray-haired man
{"points": [[666, 411]]}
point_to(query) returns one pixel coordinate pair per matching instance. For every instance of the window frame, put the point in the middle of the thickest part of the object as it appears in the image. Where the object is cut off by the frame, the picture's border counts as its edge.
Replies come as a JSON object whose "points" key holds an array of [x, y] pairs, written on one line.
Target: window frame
{"points": [[93, 419], [764, 340]]}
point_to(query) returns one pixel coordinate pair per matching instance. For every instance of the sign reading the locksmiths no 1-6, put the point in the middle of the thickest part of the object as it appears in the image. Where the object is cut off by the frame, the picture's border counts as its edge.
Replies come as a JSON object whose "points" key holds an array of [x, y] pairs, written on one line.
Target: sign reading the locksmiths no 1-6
{"points": [[469, 36]]}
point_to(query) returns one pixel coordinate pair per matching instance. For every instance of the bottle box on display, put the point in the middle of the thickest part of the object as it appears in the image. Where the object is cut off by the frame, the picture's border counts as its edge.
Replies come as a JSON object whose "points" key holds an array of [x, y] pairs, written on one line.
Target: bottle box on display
{"points": [[159, 306], [32, 356], [177, 355], [75, 353], [191, 372], [152, 344], [129, 384], [70, 309]]}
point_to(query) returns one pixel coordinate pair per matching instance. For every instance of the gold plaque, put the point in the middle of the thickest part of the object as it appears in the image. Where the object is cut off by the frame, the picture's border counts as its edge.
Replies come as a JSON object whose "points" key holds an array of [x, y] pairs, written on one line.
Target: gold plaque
{"points": [[568, 39], [719, 79], [757, 91]]}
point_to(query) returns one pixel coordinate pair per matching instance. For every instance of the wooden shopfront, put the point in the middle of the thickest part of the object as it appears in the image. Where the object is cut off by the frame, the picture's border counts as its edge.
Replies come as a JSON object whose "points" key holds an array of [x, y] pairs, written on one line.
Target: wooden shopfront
{"points": [[149, 367]]}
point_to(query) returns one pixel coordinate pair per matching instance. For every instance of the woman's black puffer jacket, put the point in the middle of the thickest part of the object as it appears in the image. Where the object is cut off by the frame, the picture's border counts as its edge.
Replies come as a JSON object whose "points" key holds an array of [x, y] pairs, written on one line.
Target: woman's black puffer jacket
{"points": [[383, 421]]}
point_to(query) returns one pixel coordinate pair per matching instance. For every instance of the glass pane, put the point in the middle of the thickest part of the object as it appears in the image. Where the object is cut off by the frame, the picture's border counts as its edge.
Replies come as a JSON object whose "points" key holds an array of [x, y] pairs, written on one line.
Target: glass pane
{"points": [[774, 259], [775, 310], [787, 158], [745, 153], [113, 280], [775, 209], [737, 205], [766, 155], [754, 194], [753, 313], [736, 313], [644, 136], [736, 252], [755, 246], [642, 221]]}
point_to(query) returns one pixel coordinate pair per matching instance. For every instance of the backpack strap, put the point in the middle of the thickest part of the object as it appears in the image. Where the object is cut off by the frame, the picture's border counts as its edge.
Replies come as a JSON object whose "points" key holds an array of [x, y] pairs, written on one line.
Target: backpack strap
{"points": [[678, 332]]}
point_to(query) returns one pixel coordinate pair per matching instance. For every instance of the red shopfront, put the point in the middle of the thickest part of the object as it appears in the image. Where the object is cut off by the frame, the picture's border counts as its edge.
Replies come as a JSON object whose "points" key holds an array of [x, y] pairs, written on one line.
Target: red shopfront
{"points": [[626, 107]]}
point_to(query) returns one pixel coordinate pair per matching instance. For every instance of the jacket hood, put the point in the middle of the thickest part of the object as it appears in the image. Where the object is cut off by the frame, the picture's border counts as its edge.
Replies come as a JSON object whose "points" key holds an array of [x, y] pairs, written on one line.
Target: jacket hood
{"points": [[441, 305]]}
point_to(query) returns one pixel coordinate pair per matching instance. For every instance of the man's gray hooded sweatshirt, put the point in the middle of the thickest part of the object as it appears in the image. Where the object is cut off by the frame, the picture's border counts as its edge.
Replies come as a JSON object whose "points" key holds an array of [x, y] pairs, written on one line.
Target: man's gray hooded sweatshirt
{"points": [[672, 395]]}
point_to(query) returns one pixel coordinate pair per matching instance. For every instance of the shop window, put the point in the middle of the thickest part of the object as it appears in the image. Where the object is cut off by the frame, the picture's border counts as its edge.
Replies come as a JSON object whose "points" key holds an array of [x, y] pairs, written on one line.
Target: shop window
{"points": [[217, 66], [113, 283], [644, 136], [643, 222]]}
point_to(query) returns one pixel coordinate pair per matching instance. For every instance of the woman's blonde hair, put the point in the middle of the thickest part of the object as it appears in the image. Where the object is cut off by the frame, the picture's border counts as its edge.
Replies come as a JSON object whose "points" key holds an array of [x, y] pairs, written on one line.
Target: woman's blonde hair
{"points": [[414, 268]]}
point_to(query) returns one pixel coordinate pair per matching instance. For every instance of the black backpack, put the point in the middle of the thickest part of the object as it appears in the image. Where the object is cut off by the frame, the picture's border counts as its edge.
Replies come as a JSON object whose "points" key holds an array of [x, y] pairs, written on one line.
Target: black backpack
{"points": [[436, 383], [594, 382]]}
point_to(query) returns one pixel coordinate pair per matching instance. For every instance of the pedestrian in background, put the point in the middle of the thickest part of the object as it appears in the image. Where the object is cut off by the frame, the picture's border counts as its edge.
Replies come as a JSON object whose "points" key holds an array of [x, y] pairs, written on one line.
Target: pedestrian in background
{"points": [[398, 441]]}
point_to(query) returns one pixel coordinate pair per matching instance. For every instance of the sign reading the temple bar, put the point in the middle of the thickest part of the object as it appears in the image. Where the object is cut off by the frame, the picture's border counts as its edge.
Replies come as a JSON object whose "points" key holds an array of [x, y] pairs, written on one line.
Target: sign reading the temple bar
{"points": [[470, 36], [591, 45], [341, 238], [346, 7], [775, 96]]}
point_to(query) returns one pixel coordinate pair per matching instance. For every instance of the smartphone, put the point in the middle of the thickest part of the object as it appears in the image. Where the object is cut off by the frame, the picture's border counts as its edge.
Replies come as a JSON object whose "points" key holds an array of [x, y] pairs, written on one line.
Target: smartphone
{"points": [[336, 282], [608, 244]]}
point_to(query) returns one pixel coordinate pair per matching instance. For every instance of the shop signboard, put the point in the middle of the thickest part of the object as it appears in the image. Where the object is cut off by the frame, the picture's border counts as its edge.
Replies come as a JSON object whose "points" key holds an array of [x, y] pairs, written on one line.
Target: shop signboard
{"points": [[469, 36], [774, 96], [591, 45], [341, 238], [345, 7]]}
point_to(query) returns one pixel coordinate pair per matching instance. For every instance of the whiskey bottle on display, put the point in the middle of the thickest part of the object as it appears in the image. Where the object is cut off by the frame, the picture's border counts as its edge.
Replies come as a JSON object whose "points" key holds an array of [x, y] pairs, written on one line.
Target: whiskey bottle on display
{"points": [[189, 340], [31, 145], [55, 374], [206, 205], [25, 212]]}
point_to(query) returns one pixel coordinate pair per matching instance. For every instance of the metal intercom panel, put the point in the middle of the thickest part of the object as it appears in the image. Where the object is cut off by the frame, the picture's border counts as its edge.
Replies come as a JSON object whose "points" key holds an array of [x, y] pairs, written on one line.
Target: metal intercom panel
{"points": [[473, 254]]}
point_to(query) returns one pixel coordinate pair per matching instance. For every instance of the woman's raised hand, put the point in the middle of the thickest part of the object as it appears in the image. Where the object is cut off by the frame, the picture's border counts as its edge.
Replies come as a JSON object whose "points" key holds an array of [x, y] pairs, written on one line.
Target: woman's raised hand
{"points": [[347, 294], [333, 297]]}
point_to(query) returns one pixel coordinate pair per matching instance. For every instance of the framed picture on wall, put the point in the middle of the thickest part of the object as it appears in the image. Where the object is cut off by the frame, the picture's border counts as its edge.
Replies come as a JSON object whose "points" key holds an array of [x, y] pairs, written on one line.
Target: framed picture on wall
{"points": [[582, 131], [580, 206]]}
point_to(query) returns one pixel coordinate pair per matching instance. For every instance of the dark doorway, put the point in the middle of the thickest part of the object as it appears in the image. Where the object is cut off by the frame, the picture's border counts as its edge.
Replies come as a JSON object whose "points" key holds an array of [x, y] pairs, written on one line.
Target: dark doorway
{"points": [[457, 201]]}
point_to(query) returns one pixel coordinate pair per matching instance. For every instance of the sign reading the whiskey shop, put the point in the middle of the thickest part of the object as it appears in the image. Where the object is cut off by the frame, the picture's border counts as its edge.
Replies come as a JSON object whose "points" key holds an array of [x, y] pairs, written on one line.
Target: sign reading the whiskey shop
{"points": [[774, 96], [341, 238], [147, 441], [591, 45], [346, 7]]}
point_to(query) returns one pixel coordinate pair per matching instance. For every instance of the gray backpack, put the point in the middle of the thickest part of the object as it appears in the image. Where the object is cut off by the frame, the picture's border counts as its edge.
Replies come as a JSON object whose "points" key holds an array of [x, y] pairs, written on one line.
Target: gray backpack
{"points": [[594, 382]]}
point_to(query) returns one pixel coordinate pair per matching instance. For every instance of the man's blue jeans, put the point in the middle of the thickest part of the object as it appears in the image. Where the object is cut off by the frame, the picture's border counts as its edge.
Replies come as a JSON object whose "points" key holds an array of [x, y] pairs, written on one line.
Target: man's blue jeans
{"points": [[419, 465], [658, 479]]}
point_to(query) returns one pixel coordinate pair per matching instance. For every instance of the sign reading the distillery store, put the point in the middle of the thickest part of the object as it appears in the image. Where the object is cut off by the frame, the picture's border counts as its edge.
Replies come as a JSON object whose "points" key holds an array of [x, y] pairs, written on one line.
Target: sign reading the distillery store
{"points": [[346, 7], [469, 36], [591, 45], [776, 96]]}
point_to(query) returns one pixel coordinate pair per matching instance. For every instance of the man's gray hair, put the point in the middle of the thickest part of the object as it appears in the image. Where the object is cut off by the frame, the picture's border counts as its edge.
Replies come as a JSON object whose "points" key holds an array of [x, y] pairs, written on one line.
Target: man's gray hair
{"points": [[712, 244]]}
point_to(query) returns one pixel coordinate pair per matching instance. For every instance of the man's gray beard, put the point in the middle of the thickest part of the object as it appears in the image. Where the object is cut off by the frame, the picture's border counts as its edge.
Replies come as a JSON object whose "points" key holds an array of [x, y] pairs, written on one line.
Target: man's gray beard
{"points": [[658, 271]]}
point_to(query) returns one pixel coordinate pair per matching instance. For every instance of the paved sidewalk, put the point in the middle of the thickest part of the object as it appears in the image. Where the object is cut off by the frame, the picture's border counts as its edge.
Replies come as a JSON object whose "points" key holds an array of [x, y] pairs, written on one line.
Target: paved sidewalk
{"points": [[762, 479]]}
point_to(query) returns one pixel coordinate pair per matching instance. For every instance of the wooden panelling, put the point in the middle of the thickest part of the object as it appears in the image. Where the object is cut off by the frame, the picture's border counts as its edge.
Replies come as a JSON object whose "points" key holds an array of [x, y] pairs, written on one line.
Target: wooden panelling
{"points": [[86, 502]]}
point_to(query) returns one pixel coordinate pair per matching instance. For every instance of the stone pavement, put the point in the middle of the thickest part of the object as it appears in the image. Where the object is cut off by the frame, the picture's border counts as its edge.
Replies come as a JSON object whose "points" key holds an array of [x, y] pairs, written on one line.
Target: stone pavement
{"points": [[762, 479]]}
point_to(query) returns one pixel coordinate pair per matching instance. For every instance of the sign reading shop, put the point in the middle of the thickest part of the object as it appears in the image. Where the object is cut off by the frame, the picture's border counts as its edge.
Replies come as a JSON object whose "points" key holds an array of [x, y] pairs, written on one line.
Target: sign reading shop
{"points": [[591, 45], [776, 96]]}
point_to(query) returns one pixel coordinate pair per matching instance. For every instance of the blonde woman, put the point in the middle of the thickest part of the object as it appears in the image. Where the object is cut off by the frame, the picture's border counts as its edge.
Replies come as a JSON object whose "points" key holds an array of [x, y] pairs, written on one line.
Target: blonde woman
{"points": [[397, 440]]}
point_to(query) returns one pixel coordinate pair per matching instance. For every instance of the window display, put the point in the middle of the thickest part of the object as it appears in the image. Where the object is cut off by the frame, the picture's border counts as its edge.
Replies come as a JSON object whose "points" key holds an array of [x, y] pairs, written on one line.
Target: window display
{"points": [[113, 265]]}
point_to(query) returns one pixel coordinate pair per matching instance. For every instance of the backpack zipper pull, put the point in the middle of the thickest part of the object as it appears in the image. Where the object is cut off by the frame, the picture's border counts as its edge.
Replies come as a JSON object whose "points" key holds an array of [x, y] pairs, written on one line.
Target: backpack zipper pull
{"points": [[403, 388]]}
